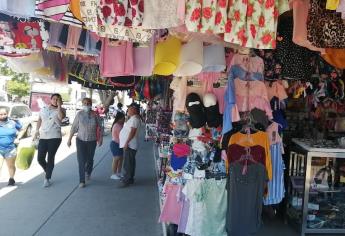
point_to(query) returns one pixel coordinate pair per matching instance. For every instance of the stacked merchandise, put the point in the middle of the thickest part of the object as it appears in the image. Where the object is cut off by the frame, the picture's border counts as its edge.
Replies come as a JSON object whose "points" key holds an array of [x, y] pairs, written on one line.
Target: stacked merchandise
{"points": [[151, 123]]}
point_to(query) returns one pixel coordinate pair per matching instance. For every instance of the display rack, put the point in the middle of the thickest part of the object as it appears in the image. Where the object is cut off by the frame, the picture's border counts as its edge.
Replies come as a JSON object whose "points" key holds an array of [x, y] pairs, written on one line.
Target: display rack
{"points": [[316, 193]]}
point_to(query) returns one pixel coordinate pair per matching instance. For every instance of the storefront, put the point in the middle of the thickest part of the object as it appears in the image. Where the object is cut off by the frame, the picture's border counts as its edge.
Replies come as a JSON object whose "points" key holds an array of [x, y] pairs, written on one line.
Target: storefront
{"points": [[245, 99]]}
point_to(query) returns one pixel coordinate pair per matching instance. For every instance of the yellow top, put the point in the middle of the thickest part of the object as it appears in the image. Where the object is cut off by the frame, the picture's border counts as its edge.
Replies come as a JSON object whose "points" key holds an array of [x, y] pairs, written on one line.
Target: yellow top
{"points": [[258, 138], [332, 4]]}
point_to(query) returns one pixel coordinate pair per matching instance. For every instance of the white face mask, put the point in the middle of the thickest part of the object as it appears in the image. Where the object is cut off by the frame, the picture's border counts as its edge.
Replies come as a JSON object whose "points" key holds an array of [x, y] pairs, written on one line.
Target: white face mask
{"points": [[86, 108]]}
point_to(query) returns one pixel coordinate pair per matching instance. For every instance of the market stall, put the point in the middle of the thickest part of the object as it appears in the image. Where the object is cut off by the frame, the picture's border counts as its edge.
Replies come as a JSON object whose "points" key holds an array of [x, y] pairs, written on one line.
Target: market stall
{"points": [[229, 86]]}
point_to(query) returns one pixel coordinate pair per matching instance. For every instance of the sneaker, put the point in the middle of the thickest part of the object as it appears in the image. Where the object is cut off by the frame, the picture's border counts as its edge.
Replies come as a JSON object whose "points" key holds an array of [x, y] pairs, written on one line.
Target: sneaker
{"points": [[115, 177], [88, 177], [82, 185], [11, 182], [46, 183], [124, 185]]}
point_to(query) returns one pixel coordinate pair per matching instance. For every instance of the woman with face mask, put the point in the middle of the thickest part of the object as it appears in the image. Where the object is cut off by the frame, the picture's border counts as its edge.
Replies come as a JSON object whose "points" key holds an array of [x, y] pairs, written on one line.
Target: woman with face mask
{"points": [[85, 125], [8, 151], [49, 132]]}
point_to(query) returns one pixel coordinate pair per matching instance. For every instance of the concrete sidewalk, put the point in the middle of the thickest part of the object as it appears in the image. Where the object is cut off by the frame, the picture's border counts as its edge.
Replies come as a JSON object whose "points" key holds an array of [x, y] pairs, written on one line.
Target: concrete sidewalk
{"points": [[99, 209]]}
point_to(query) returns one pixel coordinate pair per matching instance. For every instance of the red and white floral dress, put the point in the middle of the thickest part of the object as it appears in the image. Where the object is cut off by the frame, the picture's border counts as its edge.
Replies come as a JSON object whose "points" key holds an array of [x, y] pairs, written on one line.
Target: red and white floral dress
{"points": [[252, 23], [206, 16], [249, 23], [121, 12]]}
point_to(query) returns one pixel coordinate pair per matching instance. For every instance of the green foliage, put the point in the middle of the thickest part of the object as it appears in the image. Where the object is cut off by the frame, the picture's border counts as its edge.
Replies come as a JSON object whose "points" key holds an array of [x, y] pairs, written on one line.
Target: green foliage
{"points": [[19, 83], [66, 97], [18, 88]]}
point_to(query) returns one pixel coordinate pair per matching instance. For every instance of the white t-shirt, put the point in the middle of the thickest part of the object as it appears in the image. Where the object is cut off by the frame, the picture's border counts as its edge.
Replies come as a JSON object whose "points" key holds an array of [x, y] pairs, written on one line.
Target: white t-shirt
{"points": [[51, 125], [133, 122]]}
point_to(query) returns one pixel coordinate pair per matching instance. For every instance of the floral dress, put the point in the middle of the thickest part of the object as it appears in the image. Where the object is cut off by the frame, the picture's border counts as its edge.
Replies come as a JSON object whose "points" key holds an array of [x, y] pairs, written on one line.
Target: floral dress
{"points": [[121, 12], [252, 23], [206, 16]]}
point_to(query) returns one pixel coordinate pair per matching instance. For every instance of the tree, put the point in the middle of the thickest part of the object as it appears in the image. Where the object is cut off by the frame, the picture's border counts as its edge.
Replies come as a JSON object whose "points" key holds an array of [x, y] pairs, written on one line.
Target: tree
{"points": [[107, 97], [19, 83], [17, 87]]}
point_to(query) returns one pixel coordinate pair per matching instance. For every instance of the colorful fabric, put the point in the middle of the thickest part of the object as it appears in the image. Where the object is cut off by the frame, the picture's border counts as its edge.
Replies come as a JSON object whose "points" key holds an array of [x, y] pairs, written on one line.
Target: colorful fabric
{"points": [[325, 28], [92, 18], [259, 138], [57, 10], [123, 13], [27, 35], [206, 16], [252, 23]]}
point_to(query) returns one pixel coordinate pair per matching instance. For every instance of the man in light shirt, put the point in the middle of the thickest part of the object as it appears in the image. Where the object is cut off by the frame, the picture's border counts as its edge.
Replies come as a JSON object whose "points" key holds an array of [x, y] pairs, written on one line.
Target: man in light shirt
{"points": [[129, 143]]}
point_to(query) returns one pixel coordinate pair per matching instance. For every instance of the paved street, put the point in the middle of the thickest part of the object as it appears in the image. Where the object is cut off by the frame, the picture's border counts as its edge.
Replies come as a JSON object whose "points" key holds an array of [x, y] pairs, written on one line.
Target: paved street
{"points": [[63, 209]]}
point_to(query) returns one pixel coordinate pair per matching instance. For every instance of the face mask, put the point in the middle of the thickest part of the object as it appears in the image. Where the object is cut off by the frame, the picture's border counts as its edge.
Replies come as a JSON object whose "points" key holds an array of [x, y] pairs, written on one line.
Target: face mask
{"points": [[86, 108], [3, 119]]}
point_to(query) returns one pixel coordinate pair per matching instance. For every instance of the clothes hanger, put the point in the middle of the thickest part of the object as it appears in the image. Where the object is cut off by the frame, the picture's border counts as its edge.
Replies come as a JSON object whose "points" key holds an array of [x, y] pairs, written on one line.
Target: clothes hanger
{"points": [[247, 157]]}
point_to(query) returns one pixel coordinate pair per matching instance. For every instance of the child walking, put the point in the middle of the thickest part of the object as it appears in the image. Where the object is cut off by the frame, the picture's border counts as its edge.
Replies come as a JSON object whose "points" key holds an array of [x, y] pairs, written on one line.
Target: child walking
{"points": [[115, 147]]}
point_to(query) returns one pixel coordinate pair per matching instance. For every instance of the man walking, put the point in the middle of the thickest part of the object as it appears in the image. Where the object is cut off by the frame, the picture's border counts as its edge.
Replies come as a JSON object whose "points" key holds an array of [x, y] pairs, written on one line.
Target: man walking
{"points": [[129, 143]]}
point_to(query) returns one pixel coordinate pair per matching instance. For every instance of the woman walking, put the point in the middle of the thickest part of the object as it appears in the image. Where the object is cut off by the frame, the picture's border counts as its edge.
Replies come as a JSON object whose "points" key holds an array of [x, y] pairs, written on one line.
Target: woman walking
{"points": [[88, 126], [115, 146], [8, 151], [49, 132]]}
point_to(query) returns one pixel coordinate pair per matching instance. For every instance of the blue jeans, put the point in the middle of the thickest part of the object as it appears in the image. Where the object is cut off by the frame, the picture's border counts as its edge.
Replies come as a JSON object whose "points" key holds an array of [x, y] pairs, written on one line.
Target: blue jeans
{"points": [[85, 154]]}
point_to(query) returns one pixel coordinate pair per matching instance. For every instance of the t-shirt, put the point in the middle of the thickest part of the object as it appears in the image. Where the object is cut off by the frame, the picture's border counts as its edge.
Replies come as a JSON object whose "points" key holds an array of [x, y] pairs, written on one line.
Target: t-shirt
{"points": [[8, 133], [51, 125], [213, 194], [245, 194], [116, 132], [133, 122], [258, 138], [196, 208]]}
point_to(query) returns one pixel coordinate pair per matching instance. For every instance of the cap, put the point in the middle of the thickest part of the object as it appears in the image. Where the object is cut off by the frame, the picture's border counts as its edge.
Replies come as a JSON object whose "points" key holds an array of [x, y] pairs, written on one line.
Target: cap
{"points": [[135, 105]]}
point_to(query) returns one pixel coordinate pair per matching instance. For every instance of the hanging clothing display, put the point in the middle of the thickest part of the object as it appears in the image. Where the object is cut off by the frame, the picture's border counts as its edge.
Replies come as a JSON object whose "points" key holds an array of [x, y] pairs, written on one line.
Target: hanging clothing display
{"points": [[325, 28], [252, 24], [92, 17], [123, 13], [57, 11], [123, 52], [161, 14], [296, 57], [245, 198]]}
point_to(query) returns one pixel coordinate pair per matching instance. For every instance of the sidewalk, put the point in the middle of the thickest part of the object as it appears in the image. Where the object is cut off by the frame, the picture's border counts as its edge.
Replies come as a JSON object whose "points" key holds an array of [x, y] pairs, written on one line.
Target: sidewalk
{"points": [[99, 209]]}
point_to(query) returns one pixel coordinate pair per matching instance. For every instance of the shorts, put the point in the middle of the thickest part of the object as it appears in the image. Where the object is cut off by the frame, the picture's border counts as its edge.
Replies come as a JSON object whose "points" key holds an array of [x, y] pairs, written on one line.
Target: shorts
{"points": [[115, 149], [8, 153]]}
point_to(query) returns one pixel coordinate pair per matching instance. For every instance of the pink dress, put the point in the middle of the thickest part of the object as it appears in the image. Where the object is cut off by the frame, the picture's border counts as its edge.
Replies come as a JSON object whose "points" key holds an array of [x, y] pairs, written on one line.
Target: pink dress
{"points": [[172, 206]]}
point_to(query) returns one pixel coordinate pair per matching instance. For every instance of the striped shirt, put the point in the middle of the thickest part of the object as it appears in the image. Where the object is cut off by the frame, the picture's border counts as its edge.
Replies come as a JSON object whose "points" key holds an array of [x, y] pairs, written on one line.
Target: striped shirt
{"points": [[276, 188], [56, 10]]}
